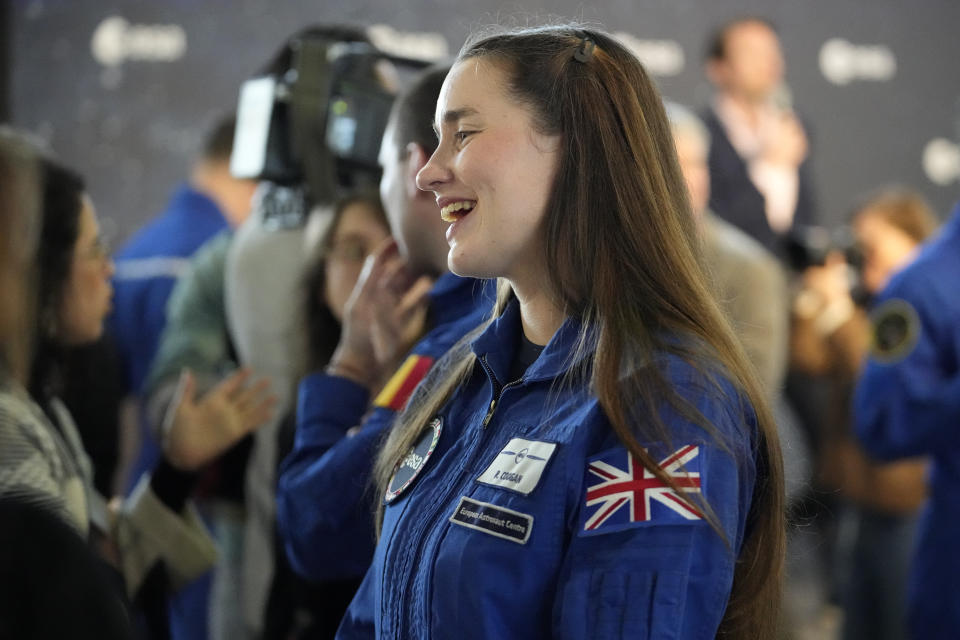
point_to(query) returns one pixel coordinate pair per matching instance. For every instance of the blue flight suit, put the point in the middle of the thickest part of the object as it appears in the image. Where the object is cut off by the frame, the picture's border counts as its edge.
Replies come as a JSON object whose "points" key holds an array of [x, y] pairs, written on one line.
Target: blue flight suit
{"points": [[147, 267], [324, 507], [907, 403], [530, 520]]}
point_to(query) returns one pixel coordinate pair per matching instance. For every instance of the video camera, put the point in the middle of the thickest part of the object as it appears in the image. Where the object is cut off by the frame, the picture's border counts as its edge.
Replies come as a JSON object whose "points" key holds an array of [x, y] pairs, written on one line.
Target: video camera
{"points": [[317, 123], [810, 246]]}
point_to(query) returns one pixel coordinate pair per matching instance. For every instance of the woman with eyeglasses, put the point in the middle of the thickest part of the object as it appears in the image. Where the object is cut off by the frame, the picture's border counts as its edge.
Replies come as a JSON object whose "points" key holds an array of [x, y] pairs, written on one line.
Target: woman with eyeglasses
{"points": [[153, 537], [358, 227]]}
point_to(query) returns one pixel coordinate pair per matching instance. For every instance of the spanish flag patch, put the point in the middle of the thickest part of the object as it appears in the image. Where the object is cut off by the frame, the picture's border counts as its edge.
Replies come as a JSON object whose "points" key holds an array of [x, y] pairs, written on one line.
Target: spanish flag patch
{"points": [[397, 391]]}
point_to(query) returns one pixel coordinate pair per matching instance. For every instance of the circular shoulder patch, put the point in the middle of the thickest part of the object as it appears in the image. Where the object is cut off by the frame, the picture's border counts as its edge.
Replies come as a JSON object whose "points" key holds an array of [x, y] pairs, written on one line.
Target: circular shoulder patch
{"points": [[896, 327], [415, 460]]}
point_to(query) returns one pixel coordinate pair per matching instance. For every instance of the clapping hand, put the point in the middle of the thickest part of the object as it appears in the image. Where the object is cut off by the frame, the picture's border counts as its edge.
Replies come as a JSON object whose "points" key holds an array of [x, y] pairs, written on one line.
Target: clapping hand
{"points": [[196, 431]]}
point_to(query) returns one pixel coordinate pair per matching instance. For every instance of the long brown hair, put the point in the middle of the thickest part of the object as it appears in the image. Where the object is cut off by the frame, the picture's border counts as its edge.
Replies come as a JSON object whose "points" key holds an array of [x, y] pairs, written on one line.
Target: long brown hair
{"points": [[624, 259], [20, 197]]}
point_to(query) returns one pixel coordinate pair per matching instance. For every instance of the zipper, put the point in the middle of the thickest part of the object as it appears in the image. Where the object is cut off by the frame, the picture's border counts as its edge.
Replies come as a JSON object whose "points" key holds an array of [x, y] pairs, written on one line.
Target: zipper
{"points": [[462, 480], [497, 391]]}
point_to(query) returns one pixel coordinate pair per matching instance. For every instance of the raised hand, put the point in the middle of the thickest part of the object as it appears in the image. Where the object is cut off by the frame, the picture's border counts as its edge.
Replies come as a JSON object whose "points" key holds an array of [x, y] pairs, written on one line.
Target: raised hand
{"points": [[786, 142], [385, 315], [196, 431]]}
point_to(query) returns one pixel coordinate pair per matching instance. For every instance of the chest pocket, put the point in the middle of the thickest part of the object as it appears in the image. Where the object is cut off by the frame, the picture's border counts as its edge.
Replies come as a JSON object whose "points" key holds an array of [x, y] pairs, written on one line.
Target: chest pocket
{"points": [[502, 547]]}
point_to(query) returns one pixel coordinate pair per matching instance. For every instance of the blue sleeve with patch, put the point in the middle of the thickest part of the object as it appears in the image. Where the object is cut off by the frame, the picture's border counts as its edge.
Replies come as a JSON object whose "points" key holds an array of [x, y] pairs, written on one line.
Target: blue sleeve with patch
{"points": [[641, 562], [324, 516], [907, 401]]}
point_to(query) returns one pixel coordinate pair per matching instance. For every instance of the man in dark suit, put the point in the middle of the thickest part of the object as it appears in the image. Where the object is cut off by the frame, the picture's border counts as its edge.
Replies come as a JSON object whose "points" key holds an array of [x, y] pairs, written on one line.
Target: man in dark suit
{"points": [[759, 155]]}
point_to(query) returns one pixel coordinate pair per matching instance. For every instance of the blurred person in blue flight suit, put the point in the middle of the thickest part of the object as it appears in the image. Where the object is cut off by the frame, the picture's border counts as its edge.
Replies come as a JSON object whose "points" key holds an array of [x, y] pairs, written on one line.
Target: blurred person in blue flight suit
{"points": [[907, 403], [149, 264], [147, 268]]}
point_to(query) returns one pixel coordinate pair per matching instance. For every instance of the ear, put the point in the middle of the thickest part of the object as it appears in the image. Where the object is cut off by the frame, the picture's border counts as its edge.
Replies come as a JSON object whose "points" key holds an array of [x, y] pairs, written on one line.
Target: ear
{"points": [[416, 160]]}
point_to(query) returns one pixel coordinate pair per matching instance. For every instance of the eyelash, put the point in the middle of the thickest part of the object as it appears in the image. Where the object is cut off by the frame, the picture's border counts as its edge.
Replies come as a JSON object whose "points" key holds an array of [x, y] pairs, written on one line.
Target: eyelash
{"points": [[461, 136]]}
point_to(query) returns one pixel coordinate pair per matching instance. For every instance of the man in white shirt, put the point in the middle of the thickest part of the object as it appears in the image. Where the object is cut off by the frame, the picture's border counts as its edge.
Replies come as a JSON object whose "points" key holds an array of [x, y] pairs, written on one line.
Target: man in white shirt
{"points": [[759, 174]]}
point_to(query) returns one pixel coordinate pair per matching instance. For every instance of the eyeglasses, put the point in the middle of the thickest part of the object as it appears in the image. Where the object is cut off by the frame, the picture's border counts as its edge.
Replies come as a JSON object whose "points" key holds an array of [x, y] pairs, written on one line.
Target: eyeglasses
{"points": [[99, 249], [349, 250]]}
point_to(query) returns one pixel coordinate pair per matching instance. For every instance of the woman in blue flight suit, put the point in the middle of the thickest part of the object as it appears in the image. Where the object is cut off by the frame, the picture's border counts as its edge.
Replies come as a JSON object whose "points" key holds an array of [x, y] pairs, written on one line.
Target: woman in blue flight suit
{"points": [[597, 460]]}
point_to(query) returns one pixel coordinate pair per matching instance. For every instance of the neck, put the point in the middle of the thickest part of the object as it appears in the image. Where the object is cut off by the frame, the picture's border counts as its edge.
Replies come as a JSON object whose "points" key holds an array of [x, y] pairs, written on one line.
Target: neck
{"points": [[540, 317], [214, 181], [748, 105]]}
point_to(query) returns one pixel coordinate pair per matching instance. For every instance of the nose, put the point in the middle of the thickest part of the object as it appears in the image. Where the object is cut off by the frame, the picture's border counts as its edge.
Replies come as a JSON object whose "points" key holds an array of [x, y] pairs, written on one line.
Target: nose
{"points": [[110, 266], [434, 173]]}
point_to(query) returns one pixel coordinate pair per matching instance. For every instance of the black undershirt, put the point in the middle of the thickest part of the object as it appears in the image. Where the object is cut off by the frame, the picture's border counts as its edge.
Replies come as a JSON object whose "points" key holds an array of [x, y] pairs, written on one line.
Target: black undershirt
{"points": [[525, 355]]}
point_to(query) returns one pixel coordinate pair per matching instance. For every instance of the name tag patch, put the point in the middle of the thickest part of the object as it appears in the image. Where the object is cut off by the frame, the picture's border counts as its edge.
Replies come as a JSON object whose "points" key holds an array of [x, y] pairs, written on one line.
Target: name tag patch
{"points": [[519, 466], [497, 521]]}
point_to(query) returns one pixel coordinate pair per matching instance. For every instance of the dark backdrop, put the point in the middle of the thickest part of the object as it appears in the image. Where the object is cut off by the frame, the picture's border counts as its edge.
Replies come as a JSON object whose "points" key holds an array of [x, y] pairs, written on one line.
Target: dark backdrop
{"points": [[124, 89]]}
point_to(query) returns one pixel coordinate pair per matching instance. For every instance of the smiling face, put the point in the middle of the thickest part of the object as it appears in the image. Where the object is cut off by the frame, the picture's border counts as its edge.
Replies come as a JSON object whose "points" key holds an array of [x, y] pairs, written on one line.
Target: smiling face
{"points": [[492, 174], [87, 292]]}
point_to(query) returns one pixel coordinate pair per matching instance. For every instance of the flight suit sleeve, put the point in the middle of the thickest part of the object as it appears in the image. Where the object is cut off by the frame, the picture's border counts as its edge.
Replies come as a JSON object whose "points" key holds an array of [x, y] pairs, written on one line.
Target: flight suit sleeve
{"points": [[324, 516], [907, 401], [654, 567]]}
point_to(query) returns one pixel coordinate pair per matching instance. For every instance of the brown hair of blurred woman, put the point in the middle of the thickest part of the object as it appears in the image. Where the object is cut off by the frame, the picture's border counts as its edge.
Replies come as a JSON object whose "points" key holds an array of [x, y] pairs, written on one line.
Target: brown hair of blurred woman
{"points": [[321, 326], [19, 213], [903, 208]]}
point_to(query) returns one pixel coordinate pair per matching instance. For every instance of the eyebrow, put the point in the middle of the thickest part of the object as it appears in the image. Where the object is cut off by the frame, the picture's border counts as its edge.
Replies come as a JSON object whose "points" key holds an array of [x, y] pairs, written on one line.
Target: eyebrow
{"points": [[453, 115]]}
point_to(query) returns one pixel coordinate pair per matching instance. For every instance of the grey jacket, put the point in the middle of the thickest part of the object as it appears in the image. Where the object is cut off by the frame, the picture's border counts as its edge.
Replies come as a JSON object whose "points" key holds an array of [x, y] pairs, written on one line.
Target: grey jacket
{"points": [[48, 466]]}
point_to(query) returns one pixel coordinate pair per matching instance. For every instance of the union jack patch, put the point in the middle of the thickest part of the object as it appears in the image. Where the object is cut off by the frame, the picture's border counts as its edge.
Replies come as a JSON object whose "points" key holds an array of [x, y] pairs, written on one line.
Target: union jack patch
{"points": [[621, 493]]}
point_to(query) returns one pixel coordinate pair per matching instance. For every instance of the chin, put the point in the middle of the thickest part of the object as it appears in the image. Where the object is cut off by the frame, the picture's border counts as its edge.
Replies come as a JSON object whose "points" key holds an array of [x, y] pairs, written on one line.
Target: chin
{"points": [[81, 338], [92, 334], [465, 268]]}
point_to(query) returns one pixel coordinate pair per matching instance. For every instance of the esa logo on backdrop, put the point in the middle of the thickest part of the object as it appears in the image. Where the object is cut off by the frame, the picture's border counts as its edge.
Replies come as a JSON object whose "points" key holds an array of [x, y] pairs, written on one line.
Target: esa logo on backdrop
{"points": [[115, 41], [664, 58], [843, 62], [941, 161]]}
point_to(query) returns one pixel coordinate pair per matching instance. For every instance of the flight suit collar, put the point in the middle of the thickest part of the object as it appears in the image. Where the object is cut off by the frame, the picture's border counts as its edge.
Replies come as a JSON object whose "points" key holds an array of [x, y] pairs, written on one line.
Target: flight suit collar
{"points": [[498, 343]]}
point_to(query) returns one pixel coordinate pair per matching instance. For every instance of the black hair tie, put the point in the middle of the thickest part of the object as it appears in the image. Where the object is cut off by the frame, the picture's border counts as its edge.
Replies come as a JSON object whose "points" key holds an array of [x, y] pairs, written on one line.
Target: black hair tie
{"points": [[585, 50]]}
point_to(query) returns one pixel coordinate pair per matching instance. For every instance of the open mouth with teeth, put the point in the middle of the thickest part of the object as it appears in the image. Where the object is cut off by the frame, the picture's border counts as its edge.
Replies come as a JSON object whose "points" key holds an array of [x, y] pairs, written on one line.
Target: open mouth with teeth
{"points": [[456, 210]]}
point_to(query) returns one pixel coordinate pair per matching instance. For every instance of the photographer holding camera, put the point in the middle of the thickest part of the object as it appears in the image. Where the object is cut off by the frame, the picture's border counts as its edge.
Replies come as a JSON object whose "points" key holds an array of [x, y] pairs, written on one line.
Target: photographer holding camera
{"points": [[830, 338]]}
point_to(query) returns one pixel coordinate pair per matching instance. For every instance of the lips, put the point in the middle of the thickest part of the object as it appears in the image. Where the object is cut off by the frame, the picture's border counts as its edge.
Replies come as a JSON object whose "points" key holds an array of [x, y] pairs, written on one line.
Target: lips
{"points": [[457, 209]]}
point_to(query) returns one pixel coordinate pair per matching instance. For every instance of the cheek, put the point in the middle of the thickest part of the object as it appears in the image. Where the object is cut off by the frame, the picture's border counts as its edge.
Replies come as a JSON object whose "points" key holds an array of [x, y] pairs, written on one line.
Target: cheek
{"points": [[90, 293], [872, 278], [333, 293], [338, 287]]}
